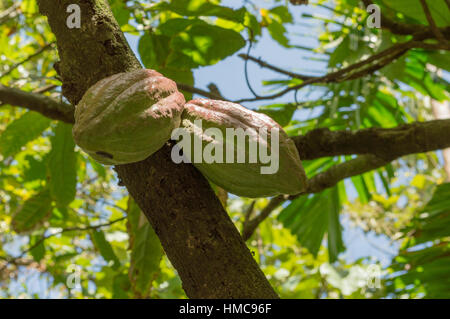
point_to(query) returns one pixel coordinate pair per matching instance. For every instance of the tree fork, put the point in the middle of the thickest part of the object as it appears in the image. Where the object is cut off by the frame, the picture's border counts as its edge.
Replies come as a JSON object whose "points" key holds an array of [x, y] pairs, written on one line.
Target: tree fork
{"points": [[197, 235]]}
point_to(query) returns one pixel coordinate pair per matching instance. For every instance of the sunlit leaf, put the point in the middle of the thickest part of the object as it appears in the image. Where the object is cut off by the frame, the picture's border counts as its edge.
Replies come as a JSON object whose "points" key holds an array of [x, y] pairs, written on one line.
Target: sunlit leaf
{"points": [[62, 177], [21, 131], [34, 211]]}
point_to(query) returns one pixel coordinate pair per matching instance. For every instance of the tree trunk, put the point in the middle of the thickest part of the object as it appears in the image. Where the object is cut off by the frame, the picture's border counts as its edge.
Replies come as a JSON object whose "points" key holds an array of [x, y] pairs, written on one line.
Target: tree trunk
{"points": [[441, 111], [195, 231]]}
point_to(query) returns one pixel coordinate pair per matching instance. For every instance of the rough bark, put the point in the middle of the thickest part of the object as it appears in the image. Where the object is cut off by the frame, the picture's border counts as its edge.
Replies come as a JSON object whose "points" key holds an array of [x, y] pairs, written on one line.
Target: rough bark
{"points": [[385, 143], [39, 103], [195, 231]]}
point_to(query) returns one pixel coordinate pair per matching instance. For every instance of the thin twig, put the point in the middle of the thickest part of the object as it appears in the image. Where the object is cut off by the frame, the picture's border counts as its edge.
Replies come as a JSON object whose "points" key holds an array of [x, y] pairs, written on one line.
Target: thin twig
{"points": [[430, 20], [342, 74], [266, 65], [191, 89], [252, 224], [10, 13], [28, 58], [45, 88], [246, 67], [65, 230]]}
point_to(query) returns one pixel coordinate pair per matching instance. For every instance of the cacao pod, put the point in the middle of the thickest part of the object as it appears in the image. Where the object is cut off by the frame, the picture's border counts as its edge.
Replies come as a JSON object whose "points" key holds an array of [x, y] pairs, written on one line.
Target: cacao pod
{"points": [[222, 138], [127, 117]]}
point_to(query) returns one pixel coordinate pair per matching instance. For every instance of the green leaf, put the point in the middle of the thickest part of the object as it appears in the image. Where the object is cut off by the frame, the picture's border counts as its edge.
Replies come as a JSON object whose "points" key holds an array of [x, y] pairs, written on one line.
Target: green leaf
{"points": [[120, 11], [423, 268], [121, 287], [361, 188], [335, 243], [282, 13], [62, 168], [146, 251], [29, 6], [203, 44], [153, 50], [33, 212], [21, 131], [104, 247], [251, 22], [181, 76], [310, 217], [37, 252], [278, 33], [281, 113], [172, 27], [413, 9], [439, 59], [35, 169], [348, 52], [196, 8]]}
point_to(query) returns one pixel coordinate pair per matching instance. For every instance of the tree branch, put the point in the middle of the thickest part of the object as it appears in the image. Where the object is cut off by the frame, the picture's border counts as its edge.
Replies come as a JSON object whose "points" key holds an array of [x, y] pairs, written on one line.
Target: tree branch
{"points": [[191, 89], [402, 28], [266, 65], [380, 146], [385, 143], [250, 225], [358, 69], [437, 33], [65, 230], [39, 103]]}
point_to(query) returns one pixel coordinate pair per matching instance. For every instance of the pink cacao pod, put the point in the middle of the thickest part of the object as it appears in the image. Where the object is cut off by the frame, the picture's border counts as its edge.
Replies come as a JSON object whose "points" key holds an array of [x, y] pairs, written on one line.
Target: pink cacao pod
{"points": [[128, 116], [207, 138]]}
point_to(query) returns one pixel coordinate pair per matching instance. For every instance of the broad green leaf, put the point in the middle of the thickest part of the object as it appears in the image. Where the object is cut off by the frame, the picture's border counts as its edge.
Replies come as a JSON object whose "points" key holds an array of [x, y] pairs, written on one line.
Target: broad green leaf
{"points": [[21, 131], [146, 250], [203, 44], [33, 212], [335, 243], [172, 27], [350, 50], [104, 247], [196, 8], [62, 168], [29, 6], [153, 50], [37, 252], [439, 59], [35, 169], [251, 22], [121, 287], [282, 13], [361, 189], [120, 11], [413, 9]]}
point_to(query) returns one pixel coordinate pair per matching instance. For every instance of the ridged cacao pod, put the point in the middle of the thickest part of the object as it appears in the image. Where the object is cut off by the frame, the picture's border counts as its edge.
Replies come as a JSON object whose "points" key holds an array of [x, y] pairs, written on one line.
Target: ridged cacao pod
{"points": [[127, 117], [213, 125]]}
